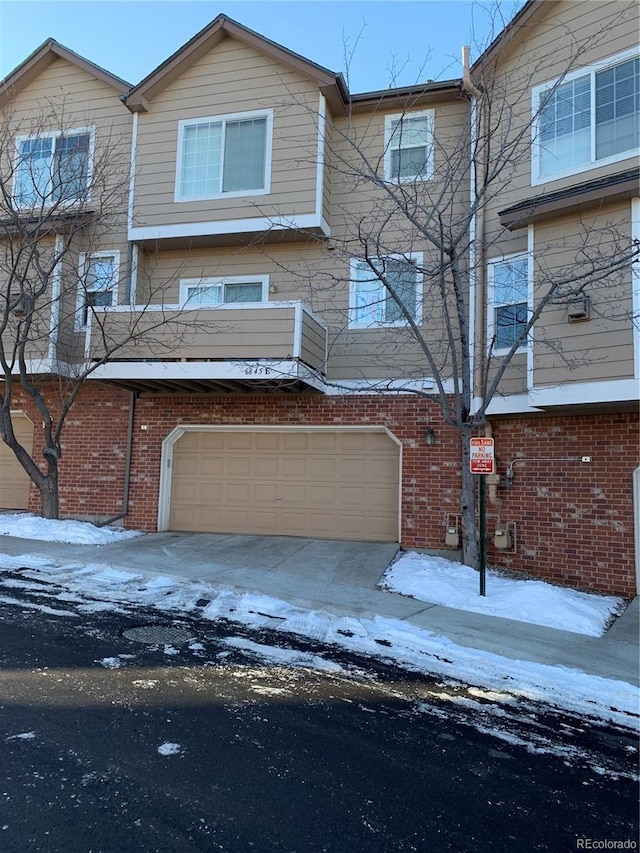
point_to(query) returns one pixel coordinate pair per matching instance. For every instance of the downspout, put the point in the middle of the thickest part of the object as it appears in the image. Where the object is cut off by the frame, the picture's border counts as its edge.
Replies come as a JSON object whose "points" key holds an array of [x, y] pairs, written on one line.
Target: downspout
{"points": [[133, 395], [467, 82], [492, 480], [476, 227]]}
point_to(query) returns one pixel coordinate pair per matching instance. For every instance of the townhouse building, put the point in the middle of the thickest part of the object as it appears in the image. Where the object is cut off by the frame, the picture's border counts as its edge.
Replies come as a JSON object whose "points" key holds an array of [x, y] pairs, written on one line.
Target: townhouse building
{"points": [[257, 281]]}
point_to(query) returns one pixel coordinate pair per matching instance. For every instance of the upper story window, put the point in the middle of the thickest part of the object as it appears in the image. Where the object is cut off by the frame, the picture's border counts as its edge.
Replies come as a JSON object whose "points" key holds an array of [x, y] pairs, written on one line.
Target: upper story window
{"points": [[508, 302], [224, 155], [371, 302], [195, 292], [99, 282], [592, 117], [409, 146], [53, 168]]}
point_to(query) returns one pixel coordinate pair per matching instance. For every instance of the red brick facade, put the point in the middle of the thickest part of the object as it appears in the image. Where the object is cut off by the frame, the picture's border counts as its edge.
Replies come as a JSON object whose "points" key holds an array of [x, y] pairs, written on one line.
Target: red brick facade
{"points": [[573, 520]]}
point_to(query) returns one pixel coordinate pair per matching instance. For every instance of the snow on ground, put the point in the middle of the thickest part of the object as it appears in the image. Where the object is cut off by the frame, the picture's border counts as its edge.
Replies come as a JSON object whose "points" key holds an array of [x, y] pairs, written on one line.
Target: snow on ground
{"points": [[441, 581], [391, 639], [26, 526]]}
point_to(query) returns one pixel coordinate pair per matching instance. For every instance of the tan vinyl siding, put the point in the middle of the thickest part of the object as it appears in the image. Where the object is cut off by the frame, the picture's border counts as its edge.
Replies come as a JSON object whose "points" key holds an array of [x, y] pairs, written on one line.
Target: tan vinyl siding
{"points": [[66, 97], [313, 343], [320, 279], [232, 78], [602, 347], [569, 36], [208, 334]]}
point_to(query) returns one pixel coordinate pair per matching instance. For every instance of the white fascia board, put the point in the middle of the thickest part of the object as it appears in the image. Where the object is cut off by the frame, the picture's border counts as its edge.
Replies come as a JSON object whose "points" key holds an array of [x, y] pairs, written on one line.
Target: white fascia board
{"points": [[579, 393], [229, 226], [635, 287], [354, 387], [514, 404]]}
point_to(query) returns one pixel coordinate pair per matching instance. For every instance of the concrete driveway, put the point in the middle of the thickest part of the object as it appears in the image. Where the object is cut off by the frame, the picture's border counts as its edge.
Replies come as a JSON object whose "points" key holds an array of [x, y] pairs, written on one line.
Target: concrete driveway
{"points": [[282, 566], [219, 556]]}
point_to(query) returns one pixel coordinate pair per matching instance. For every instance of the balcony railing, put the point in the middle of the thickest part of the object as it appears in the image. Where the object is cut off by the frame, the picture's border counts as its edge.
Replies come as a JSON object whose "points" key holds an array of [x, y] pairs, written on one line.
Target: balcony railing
{"points": [[230, 332]]}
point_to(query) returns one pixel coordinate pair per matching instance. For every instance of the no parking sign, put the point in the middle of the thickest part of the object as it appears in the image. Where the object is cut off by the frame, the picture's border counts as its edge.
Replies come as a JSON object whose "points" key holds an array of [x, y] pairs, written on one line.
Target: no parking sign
{"points": [[482, 456]]}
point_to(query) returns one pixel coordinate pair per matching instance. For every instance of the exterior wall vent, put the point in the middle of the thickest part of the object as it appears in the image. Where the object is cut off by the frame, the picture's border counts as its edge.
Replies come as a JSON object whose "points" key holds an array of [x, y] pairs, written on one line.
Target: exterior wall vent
{"points": [[578, 309]]}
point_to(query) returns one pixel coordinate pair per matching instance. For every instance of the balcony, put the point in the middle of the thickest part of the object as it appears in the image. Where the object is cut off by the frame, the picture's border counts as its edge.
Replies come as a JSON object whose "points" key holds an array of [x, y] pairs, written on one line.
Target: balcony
{"points": [[232, 348]]}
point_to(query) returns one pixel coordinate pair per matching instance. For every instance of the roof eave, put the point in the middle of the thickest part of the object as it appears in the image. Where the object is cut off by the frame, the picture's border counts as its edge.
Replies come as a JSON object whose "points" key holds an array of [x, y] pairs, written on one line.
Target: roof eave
{"points": [[41, 58]]}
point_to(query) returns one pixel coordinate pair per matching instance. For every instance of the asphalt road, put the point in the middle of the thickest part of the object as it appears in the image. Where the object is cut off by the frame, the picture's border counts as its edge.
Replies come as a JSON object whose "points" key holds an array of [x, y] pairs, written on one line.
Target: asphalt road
{"points": [[109, 745]]}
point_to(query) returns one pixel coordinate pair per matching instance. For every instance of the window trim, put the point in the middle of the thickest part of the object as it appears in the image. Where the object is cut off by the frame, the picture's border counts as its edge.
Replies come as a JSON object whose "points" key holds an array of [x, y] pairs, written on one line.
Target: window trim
{"points": [[53, 134], [415, 257], [388, 121], [231, 117], [83, 257], [537, 92], [215, 281], [492, 304]]}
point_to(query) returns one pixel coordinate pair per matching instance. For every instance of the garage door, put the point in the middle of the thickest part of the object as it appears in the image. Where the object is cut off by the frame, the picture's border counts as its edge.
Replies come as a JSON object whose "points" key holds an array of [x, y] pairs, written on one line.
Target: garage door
{"points": [[331, 485], [14, 481]]}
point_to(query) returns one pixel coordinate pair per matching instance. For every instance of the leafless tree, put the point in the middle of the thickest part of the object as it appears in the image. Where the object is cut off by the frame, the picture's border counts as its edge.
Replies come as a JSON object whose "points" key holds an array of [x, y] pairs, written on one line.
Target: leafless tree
{"points": [[63, 199], [434, 216]]}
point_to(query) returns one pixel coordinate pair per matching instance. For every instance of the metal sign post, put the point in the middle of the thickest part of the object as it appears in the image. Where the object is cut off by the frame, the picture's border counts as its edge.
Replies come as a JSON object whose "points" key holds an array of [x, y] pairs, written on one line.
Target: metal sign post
{"points": [[482, 525], [482, 463]]}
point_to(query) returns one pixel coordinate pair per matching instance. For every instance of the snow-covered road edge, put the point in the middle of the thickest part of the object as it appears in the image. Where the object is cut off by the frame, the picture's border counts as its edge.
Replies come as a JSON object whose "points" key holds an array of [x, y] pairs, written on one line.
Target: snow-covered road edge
{"points": [[382, 638]]}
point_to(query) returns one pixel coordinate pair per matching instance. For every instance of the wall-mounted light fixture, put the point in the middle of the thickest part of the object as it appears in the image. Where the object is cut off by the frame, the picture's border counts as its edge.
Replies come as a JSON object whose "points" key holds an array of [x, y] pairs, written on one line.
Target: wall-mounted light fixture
{"points": [[429, 436], [273, 288]]}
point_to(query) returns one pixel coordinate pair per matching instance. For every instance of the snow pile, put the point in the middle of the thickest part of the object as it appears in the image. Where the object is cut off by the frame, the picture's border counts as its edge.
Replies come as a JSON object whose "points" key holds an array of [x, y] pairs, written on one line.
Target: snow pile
{"points": [[88, 587], [451, 584], [26, 526]]}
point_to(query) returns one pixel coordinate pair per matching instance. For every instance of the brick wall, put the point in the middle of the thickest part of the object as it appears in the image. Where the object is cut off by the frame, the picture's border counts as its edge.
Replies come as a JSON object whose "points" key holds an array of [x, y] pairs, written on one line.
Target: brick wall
{"points": [[574, 520]]}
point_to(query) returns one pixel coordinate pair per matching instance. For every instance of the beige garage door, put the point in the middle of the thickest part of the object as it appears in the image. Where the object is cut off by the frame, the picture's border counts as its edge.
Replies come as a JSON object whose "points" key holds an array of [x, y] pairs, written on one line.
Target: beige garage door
{"points": [[14, 481], [330, 485]]}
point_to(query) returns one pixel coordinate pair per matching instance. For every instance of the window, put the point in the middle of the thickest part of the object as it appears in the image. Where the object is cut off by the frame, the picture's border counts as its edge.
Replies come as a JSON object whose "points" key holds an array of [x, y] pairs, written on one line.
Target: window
{"points": [[409, 146], [217, 291], [592, 117], [508, 311], [99, 279], [371, 302], [224, 155], [52, 168]]}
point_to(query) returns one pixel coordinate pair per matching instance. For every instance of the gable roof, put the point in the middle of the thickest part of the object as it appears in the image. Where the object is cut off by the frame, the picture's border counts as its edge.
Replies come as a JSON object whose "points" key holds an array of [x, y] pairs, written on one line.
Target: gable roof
{"points": [[332, 85], [41, 58]]}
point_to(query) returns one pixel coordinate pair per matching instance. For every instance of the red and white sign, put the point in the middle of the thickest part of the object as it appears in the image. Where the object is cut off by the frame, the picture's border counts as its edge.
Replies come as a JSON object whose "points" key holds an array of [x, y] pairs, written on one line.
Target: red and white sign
{"points": [[482, 456]]}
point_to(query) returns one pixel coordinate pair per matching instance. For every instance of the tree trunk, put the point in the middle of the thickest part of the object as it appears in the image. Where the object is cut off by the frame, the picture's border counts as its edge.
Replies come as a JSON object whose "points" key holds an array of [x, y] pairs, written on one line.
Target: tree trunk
{"points": [[470, 552], [49, 496]]}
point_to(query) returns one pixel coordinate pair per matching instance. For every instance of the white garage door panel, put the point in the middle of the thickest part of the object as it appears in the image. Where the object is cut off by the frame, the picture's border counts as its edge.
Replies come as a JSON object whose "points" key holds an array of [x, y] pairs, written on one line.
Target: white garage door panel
{"points": [[14, 480], [325, 484]]}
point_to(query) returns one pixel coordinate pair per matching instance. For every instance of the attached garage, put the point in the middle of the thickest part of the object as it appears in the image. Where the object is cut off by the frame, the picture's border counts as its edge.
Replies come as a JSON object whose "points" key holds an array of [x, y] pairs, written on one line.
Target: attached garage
{"points": [[14, 481], [322, 483]]}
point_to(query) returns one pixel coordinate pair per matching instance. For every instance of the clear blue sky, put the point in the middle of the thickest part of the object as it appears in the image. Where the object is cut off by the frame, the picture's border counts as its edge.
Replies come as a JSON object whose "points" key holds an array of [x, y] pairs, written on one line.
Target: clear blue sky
{"points": [[420, 39]]}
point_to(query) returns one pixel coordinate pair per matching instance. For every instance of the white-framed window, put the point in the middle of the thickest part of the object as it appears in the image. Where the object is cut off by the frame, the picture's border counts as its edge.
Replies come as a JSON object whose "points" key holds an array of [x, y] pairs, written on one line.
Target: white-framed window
{"points": [[408, 139], [98, 283], [590, 118], [508, 312], [196, 292], [54, 167], [370, 301], [228, 155]]}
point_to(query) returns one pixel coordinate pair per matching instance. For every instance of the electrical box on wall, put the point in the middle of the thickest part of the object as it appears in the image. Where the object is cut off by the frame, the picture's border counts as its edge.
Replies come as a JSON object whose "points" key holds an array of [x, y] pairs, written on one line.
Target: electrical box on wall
{"points": [[452, 531], [504, 537]]}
